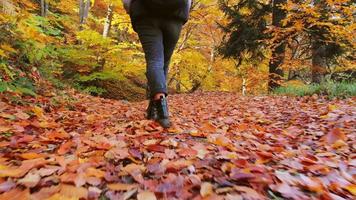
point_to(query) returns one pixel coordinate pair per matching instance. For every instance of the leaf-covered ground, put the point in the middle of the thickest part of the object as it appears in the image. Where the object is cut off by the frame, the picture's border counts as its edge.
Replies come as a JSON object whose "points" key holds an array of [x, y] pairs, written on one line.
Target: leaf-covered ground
{"points": [[222, 146]]}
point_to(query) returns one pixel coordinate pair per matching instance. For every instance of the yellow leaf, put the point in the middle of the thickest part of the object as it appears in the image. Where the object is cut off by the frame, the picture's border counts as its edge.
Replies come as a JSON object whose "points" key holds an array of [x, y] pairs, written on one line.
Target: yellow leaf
{"points": [[2, 53], [38, 111], [206, 189], [7, 48], [351, 188], [338, 144], [332, 107]]}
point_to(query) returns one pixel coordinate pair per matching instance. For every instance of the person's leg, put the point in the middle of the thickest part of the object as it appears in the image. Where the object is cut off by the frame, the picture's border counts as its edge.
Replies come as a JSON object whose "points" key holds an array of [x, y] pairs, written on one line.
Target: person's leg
{"points": [[171, 30], [151, 38]]}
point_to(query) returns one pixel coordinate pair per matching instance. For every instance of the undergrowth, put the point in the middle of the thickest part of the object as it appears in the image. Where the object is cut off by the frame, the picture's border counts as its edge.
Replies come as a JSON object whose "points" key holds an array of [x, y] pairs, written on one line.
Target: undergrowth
{"points": [[329, 88]]}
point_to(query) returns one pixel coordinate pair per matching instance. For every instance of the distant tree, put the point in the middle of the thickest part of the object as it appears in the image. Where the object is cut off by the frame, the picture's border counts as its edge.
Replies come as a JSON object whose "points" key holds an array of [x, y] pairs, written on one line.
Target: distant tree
{"points": [[44, 8], [108, 20], [319, 32], [277, 57], [244, 34], [84, 7]]}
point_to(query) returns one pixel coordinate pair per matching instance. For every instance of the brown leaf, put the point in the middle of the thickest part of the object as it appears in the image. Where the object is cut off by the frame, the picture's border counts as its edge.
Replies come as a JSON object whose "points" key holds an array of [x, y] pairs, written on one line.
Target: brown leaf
{"points": [[156, 148]]}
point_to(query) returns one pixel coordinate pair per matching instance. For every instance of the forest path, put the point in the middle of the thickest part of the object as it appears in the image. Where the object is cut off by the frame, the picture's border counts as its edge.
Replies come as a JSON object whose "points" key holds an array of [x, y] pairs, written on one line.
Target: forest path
{"points": [[221, 146]]}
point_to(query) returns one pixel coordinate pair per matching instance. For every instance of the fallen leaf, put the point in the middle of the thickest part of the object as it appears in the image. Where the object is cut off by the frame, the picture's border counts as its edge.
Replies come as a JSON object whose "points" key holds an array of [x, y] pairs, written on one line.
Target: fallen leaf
{"points": [[206, 189], [94, 172], [7, 185], [351, 188], [16, 194], [30, 156], [146, 195], [334, 135], [65, 147], [26, 166], [70, 191], [45, 193], [121, 186], [31, 179], [248, 193]]}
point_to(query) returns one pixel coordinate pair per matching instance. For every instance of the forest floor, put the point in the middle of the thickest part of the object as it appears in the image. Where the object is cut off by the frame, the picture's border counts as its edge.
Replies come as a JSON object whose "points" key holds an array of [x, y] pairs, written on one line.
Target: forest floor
{"points": [[222, 146]]}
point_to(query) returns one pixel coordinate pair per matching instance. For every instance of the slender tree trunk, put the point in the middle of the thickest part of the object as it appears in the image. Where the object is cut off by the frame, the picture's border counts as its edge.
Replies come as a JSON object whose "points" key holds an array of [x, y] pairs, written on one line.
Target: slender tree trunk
{"points": [[108, 20], [81, 11], [44, 8], [277, 58], [84, 7], [244, 86], [178, 83]]}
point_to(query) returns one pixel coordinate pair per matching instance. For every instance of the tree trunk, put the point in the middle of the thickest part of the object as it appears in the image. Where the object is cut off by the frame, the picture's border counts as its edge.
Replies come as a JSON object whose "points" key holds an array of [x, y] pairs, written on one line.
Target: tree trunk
{"points": [[108, 20], [244, 88], [277, 58], [178, 83], [44, 8], [318, 68], [84, 7]]}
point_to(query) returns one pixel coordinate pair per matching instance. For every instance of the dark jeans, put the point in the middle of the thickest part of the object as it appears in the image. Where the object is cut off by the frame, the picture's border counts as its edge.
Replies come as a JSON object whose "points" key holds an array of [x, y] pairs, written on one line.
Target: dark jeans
{"points": [[158, 37]]}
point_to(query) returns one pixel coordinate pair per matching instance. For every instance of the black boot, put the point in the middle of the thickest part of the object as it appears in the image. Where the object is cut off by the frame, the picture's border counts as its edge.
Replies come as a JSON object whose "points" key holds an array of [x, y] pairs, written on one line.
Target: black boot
{"points": [[152, 112], [162, 110]]}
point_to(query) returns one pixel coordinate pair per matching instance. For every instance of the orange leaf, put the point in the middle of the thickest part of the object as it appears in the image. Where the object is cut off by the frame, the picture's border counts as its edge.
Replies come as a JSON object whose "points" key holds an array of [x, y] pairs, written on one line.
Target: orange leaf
{"points": [[335, 135], [61, 134], [65, 148], [73, 192], [121, 186], [26, 166], [208, 127], [16, 194], [30, 156], [94, 172]]}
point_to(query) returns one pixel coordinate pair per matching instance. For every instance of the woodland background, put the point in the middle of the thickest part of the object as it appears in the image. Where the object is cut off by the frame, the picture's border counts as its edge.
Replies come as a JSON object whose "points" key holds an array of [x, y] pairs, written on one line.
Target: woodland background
{"points": [[248, 46]]}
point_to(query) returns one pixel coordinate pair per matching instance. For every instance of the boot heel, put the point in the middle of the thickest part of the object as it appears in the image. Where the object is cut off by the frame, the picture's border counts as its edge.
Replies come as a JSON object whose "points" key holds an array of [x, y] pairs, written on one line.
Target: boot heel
{"points": [[163, 113]]}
